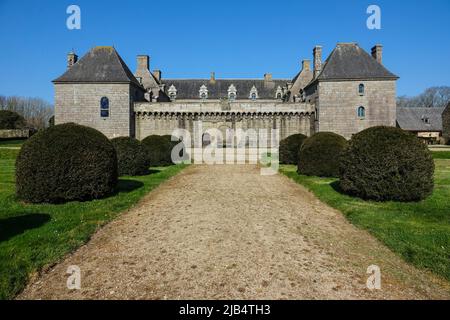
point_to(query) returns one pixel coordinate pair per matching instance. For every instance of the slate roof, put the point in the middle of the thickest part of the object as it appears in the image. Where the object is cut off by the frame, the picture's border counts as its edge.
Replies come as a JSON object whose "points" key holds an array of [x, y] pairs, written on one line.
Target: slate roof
{"points": [[349, 62], [189, 88], [413, 119], [100, 64]]}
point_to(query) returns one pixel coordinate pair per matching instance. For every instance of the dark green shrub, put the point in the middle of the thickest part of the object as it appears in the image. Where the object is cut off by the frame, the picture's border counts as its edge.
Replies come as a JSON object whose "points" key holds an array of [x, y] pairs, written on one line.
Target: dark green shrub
{"points": [[290, 148], [11, 120], [319, 155], [66, 162], [386, 163], [159, 150], [131, 156]]}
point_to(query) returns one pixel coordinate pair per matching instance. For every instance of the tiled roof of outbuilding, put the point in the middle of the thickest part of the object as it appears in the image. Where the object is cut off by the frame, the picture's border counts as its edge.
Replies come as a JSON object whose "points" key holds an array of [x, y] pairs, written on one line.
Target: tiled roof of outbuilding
{"points": [[414, 119]]}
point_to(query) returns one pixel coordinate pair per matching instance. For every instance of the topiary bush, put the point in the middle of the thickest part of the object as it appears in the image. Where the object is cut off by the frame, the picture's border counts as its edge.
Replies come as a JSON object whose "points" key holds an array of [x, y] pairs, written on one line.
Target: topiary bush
{"points": [[131, 156], [386, 163], [64, 163], [11, 120], [159, 150], [290, 148], [319, 155]]}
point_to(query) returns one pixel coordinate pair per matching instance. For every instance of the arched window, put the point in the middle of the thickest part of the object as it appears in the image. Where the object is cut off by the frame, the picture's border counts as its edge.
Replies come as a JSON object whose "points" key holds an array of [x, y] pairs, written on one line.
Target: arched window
{"points": [[361, 89], [361, 112], [104, 107], [278, 95]]}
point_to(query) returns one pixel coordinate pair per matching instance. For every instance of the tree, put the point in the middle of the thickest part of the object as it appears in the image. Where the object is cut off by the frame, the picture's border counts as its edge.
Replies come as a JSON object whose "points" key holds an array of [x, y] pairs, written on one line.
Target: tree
{"points": [[36, 111], [434, 97]]}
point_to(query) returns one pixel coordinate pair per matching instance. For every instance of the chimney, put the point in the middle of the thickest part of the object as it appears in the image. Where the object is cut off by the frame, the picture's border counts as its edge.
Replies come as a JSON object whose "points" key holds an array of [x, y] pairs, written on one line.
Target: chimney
{"points": [[157, 75], [72, 58], [268, 77], [143, 62], [212, 78], [317, 52], [377, 53], [306, 65]]}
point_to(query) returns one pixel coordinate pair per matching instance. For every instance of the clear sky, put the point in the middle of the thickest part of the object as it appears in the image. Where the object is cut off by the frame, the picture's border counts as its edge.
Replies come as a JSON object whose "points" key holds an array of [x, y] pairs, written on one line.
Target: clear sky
{"points": [[234, 38]]}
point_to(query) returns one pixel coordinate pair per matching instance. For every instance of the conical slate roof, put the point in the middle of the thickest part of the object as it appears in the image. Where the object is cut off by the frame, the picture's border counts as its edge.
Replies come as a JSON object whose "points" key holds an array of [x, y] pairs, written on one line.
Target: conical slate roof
{"points": [[100, 64], [349, 62]]}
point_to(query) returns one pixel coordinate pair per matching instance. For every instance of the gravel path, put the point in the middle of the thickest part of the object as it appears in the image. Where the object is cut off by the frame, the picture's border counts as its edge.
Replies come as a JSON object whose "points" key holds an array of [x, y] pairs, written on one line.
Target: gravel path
{"points": [[226, 232]]}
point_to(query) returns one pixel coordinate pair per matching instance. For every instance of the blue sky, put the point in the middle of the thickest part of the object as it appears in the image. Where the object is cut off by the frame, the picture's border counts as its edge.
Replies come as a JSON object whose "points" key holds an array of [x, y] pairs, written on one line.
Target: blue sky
{"points": [[242, 39]]}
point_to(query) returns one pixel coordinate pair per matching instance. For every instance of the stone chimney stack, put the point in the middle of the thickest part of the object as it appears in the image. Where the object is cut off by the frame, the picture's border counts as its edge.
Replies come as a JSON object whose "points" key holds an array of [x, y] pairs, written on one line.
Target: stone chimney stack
{"points": [[317, 52], [72, 58], [157, 75], [143, 62], [212, 78], [268, 77], [377, 53], [306, 65]]}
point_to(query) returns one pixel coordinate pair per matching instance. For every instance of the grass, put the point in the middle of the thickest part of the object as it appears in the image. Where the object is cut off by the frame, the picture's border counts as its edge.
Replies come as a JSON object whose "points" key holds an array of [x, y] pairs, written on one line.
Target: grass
{"points": [[11, 143], [35, 236], [419, 232], [441, 154]]}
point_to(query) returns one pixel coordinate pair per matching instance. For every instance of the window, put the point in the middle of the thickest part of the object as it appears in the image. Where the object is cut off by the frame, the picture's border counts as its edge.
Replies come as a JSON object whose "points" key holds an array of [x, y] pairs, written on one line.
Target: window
{"points": [[104, 107], [279, 93], [203, 92], [253, 93], [232, 92], [361, 112], [361, 89], [172, 92]]}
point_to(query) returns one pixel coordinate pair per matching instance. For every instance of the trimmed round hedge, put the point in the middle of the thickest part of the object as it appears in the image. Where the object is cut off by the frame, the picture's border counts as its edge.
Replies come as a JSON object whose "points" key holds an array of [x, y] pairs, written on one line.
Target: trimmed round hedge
{"points": [[131, 156], [159, 150], [66, 162], [290, 148], [319, 155], [11, 120], [386, 163]]}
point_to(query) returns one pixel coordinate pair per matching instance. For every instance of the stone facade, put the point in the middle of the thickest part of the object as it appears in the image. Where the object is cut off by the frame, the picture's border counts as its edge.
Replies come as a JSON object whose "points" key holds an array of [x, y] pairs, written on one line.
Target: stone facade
{"points": [[80, 103], [163, 118], [328, 98], [337, 104]]}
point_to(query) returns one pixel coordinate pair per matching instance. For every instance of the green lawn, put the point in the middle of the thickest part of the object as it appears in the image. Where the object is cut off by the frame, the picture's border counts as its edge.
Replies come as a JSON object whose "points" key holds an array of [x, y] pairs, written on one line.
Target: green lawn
{"points": [[441, 154], [35, 236], [11, 143], [419, 232]]}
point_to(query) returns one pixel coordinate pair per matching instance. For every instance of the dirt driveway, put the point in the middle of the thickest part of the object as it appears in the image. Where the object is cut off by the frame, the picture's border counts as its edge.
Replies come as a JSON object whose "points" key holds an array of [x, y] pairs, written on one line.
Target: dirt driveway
{"points": [[226, 232]]}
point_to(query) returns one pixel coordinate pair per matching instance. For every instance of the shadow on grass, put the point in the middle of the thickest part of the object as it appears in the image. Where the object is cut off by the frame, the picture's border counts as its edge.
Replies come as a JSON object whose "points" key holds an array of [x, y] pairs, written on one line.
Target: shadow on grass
{"points": [[337, 187], [127, 186], [11, 227]]}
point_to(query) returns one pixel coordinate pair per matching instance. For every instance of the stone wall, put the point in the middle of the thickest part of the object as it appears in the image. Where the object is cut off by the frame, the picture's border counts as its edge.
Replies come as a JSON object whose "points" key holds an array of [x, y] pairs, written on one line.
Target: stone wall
{"points": [[446, 125], [80, 103], [337, 107], [163, 118], [15, 134]]}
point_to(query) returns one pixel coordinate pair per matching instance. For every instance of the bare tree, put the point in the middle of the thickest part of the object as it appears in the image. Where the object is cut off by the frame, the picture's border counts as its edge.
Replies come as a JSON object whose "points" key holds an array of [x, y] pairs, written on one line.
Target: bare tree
{"points": [[435, 97], [36, 111]]}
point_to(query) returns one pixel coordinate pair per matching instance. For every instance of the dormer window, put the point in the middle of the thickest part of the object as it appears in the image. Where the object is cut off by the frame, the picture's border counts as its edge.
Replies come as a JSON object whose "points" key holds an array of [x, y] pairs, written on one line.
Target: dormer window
{"points": [[426, 119], [203, 92], [172, 92], [361, 89], [279, 93], [253, 93], [232, 92]]}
